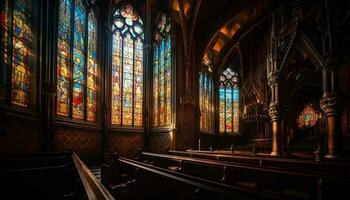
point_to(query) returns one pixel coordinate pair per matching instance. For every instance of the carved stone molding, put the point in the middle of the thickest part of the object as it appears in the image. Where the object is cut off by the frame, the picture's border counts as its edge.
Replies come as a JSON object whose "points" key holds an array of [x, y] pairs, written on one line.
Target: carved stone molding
{"points": [[272, 78]]}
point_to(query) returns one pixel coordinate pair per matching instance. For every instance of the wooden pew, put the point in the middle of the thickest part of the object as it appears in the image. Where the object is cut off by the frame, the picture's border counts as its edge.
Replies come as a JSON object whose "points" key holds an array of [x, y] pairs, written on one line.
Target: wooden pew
{"points": [[328, 168], [44, 176], [287, 184], [152, 182]]}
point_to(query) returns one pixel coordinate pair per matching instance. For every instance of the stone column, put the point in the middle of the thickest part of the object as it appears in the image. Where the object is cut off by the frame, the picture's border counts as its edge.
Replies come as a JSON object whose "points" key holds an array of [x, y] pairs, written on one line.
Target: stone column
{"points": [[275, 112], [330, 104]]}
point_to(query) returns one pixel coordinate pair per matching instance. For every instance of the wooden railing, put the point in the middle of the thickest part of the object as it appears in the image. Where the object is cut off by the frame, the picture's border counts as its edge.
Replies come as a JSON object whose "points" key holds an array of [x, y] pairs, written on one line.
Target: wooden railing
{"points": [[94, 189]]}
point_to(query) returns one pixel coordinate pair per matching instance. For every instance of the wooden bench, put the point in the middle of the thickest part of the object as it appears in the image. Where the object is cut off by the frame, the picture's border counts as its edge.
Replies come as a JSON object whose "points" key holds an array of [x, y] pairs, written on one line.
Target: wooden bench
{"points": [[152, 182], [287, 184], [328, 168]]}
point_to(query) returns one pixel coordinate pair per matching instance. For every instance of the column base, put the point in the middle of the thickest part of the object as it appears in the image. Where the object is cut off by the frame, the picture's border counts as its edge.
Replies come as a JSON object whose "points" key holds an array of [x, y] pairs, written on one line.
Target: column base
{"points": [[275, 153]]}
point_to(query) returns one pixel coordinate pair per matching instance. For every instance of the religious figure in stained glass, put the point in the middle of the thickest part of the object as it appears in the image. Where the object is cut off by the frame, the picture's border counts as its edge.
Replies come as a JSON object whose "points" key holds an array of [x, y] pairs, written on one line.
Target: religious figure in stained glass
{"points": [[229, 102], [76, 60], [162, 87], [127, 67], [19, 22]]}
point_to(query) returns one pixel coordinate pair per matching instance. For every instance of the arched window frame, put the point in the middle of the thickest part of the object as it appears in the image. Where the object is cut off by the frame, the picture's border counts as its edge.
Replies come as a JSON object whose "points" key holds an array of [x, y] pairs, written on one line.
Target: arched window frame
{"points": [[120, 31], [229, 85], [90, 69], [162, 78], [18, 53], [206, 96]]}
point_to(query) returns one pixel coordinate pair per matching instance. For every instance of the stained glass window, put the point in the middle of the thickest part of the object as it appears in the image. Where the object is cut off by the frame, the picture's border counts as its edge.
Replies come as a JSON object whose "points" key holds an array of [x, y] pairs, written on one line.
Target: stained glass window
{"points": [[77, 60], [127, 67], [307, 117], [16, 31], [229, 102], [206, 102], [162, 73], [206, 122]]}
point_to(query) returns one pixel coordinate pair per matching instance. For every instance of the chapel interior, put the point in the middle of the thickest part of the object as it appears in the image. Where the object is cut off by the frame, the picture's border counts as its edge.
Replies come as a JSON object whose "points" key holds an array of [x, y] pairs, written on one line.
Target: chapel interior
{"points": [[174, 99]]}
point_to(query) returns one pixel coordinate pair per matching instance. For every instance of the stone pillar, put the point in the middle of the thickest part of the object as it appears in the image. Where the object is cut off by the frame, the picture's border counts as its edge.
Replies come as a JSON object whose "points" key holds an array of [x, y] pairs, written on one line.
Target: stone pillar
{"points": [[330, 104], [274, 112]]}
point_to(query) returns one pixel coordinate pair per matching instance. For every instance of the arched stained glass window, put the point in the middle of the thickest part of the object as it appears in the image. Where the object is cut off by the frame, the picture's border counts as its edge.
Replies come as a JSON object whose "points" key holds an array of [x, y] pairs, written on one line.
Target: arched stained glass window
{"points": [[127, 67], [77, 60], [229, 102], [16, 32], [162, 87], [307, 117]]}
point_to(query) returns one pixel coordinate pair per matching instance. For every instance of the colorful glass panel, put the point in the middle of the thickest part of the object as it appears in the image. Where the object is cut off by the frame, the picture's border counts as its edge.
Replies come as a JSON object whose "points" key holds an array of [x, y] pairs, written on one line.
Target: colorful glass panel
{"points": [[128, 64], [222, 108], [4, 23], [138, 82], [22, 52], [79, 61], [63, 58], [229, 102], [155, 86], [116, 78], [168, 80], [92, 68], [162, 87], [206, 97], [307, 117], [127, 68], [161, 83]]}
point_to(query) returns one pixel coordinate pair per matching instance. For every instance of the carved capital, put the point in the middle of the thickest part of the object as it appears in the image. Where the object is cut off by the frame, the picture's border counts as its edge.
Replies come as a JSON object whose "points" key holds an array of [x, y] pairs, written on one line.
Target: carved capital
{"points": [[275, 111], [272, 78], [331, 104]]}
